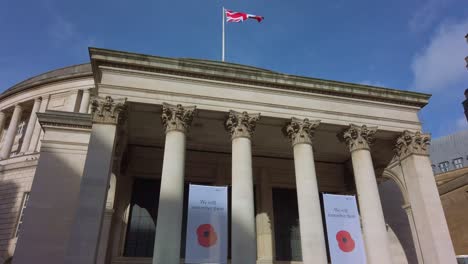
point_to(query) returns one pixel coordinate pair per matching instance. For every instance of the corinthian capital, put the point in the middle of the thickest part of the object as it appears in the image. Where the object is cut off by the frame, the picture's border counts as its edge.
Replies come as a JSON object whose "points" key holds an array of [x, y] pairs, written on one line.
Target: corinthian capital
{"points": [[358, 137], [412, 143], [107, 110], [241, 124], [300, 131], [177, 117]]}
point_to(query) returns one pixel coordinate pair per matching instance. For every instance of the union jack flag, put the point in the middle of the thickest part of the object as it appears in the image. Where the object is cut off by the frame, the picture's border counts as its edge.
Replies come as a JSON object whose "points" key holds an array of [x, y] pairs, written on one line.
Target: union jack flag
{"points": [[237, 17]]}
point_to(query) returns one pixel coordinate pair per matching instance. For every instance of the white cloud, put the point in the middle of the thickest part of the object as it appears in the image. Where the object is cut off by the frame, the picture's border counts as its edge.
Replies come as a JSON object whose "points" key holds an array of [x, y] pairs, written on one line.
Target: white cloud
{"points": [[441, 63], [462, 123], [427, 14]]}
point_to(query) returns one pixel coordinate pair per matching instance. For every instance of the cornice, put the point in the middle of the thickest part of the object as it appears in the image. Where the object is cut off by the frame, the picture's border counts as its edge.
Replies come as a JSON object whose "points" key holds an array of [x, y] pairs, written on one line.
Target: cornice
{"points": [[235, 73], [65, 119]]}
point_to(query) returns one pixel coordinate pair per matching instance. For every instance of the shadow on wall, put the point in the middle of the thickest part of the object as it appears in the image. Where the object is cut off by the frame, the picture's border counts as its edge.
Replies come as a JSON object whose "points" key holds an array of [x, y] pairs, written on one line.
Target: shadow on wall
{"points": [[396, 217], [11, 202], [51, 209]]}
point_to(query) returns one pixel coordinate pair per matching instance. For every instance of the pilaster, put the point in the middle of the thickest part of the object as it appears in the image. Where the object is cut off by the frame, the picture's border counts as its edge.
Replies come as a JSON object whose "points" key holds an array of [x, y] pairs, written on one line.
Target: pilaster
{"points": [[412, 161], [84, 239]]}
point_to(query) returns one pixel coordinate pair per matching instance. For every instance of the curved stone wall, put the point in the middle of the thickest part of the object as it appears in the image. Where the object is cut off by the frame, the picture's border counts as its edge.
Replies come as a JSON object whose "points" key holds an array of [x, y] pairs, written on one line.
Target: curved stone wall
{"points": [[66, 89]]}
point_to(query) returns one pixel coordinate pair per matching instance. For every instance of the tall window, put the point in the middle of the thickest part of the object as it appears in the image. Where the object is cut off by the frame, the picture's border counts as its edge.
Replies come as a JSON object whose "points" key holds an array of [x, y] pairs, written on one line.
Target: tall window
{"points": [[21, 216], [287, 234], [444, 166], [458, 163]]}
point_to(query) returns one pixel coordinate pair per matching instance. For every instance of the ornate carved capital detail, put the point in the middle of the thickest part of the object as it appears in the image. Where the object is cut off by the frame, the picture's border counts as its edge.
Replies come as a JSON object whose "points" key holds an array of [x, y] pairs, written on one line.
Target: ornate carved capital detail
{"points": [[412, 143], [177, 117], [358, 137], [106, 110], [300, 131], [241, 124]]}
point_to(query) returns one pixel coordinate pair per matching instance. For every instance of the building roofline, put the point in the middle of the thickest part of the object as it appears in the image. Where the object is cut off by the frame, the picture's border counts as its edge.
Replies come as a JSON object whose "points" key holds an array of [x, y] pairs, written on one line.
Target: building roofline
{"points": [[224, 71], [65, 73]]}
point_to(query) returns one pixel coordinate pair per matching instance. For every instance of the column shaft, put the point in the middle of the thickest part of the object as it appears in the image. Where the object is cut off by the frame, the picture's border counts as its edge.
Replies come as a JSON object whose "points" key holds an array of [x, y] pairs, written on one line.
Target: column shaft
{"points": [[370, 208], [84, 105], [171, 197], [308, 200], [243, 238], [11, 133], [264, 218], [30, 127], [38, 133], [2, 122], [243, 245], [176, 120]]}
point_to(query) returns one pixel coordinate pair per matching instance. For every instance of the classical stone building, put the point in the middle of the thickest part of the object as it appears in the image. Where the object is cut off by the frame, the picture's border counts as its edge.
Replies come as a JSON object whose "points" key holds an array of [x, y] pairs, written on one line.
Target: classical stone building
{"points": [[449, 156], [96, 160]]}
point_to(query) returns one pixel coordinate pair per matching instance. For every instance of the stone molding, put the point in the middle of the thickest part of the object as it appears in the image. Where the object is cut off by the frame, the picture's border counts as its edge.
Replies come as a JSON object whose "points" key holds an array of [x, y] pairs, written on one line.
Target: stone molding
{"points": [[64, 119], [358, 137], [409, 143], [300, 131], [209, 70], [241, 124], [177, 117], [106, 110]]}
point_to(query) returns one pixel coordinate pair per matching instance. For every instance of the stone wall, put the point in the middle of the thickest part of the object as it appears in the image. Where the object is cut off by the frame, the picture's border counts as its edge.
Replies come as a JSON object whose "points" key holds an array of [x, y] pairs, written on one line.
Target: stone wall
{"points": [[15, 180]]}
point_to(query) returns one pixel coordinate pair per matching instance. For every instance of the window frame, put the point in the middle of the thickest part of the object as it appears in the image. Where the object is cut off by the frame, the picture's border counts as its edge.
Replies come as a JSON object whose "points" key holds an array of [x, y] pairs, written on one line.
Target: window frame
{"points": [[20, 220], [458, 163], [444, 166]]}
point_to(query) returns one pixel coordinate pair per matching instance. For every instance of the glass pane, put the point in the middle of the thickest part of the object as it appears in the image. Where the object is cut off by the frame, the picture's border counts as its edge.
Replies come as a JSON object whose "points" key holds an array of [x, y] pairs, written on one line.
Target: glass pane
{"points": [[287, 234], [142, 220]]}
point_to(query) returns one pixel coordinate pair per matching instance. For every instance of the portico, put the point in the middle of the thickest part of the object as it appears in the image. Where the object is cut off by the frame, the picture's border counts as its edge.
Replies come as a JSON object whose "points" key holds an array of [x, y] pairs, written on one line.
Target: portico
{"points": [[264, 135]]}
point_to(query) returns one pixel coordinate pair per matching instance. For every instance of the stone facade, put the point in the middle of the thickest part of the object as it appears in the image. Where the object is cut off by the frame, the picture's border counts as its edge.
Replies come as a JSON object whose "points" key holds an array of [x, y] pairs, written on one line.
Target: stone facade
{"points": [[108, 131]]}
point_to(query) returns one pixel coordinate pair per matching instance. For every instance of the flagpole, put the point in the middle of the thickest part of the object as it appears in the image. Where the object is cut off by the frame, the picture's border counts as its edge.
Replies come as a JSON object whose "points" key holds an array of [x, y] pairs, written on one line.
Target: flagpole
{"points": [[222, 54]]}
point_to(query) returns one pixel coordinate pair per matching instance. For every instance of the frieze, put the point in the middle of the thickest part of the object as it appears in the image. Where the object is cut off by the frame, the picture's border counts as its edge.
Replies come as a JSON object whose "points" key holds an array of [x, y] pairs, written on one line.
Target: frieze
{"points": [[317, 87]]}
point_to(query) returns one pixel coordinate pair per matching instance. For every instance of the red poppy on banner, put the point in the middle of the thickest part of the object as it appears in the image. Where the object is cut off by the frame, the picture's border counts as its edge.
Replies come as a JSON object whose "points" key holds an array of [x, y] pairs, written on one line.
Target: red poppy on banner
{"points": [[207, 236], [345, 241]]}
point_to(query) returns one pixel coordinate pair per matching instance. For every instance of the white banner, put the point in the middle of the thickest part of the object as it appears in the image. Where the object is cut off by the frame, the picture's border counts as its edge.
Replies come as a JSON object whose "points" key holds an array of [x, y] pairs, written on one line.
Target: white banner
{"points": [[344, 229], [207, 225]]}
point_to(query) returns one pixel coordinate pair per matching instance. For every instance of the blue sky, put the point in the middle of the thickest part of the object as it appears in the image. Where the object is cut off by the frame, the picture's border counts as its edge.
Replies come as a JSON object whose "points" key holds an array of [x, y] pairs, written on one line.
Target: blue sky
{"points": [[413, 45]]}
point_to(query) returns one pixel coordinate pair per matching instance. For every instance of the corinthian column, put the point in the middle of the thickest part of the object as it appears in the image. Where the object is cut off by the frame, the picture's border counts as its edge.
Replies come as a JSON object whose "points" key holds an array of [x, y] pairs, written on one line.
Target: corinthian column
{"points": [[176, 120], [301, 132], [358, 140], [243, 239], [31, 124], [11, 133], [84, 238], [84, 101], [412, 152]]}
